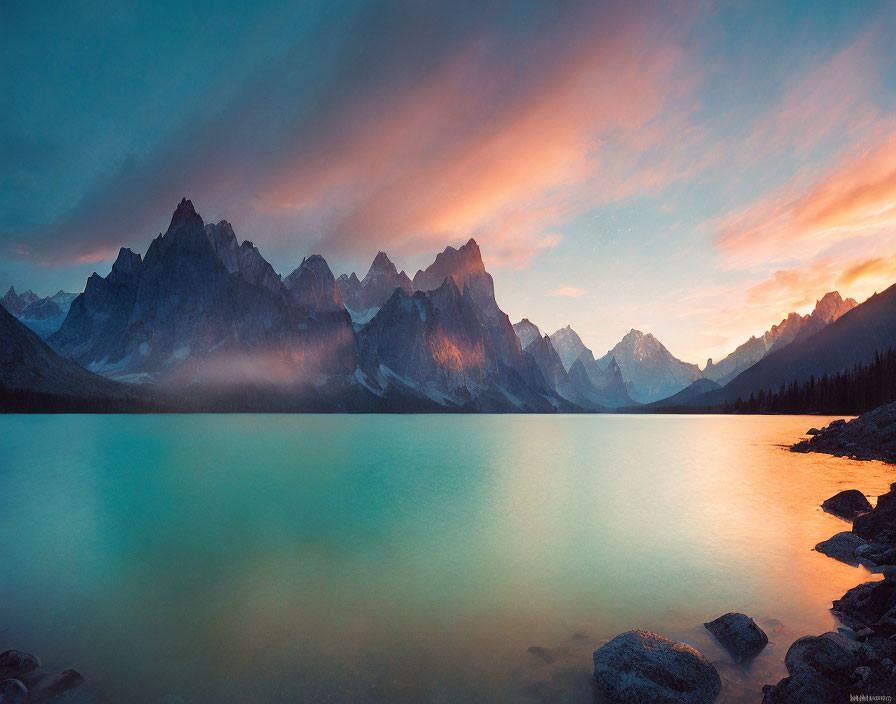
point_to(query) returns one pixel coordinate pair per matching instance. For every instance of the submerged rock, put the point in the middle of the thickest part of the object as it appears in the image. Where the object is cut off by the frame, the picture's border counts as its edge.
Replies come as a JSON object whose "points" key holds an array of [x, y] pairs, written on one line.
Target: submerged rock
{"points": [[739, 635], [801, 688], [640, 666], [843, 546], [847, 504], [16, 663], [12, 691], [63, 682]]}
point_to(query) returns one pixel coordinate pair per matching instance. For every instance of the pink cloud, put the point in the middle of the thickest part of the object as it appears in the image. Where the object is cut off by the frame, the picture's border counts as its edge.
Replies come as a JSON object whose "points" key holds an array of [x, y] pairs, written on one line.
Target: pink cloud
{"points": [[569, 291], [504, 151], [853, 200]]}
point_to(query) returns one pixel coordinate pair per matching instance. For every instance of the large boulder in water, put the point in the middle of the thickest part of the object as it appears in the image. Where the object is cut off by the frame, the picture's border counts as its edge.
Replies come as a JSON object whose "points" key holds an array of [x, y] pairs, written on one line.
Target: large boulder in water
{"points": [[801, 688], [847, 504], [739, 635], [831, 668], [640, 666], [830, 655], [53, 687], [843, 546], [12, 691]]}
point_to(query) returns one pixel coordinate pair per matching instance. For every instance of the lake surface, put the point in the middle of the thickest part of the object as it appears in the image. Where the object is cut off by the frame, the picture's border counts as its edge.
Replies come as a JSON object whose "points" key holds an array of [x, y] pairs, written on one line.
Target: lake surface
{"points": [[276, 558]]}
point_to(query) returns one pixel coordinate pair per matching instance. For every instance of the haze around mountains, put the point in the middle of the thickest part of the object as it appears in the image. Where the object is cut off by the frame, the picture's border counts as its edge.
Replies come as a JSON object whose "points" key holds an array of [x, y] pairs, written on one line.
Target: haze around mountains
{"points": [[203, 311]]}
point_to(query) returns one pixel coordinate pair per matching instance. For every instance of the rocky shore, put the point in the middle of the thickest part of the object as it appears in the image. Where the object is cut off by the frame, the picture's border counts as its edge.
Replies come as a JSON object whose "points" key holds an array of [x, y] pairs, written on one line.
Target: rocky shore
{"points": [[21, 681], [871, 436], [856, 663]]}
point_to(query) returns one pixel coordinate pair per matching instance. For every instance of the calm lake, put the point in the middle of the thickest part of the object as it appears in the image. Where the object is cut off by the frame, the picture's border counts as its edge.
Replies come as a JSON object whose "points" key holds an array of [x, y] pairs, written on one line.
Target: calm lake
{"points": [[277, 558]]}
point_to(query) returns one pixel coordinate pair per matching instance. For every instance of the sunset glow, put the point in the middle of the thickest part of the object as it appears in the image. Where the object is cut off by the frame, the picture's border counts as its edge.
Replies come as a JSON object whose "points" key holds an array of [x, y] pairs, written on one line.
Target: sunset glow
{"points": [[695, 173]]}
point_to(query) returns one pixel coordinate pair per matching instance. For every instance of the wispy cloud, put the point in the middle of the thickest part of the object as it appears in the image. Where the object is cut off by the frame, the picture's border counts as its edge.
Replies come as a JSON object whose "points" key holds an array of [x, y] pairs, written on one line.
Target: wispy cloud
{"points": [[568, 291], [438, 137]]}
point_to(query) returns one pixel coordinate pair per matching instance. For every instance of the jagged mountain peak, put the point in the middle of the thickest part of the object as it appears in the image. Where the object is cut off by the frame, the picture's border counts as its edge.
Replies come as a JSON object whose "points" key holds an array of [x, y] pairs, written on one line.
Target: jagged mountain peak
{"points": [[831, 306], [381, 261], [527, 331], [649, 369], [185, 215], [127, 261]]}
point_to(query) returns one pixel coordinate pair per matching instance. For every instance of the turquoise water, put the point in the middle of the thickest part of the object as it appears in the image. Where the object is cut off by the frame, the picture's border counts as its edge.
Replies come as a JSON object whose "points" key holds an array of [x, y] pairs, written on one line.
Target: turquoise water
{"points": [[274, 558]]}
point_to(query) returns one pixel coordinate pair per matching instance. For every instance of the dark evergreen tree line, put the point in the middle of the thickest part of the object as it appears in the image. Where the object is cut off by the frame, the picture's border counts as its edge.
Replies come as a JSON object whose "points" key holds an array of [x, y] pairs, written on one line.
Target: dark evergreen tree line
{"points": [[850, 392]]}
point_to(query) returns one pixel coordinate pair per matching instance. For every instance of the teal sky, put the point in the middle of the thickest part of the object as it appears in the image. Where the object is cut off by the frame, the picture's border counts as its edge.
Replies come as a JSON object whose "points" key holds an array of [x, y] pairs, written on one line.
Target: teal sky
{"points": [[696, 170]]}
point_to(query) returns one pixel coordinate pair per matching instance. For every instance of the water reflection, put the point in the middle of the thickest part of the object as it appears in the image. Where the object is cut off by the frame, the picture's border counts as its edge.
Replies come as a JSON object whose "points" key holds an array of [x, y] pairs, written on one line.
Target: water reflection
{"points": [[393, 559]]}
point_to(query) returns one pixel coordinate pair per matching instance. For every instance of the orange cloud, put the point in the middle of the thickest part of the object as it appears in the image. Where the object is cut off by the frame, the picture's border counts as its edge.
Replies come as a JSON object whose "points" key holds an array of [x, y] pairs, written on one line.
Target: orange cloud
{"points": [[854, 200], [502, 150]]}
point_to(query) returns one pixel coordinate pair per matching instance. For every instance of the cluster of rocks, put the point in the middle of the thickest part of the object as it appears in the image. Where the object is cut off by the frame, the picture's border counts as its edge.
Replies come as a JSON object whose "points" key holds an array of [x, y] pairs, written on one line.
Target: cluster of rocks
{"points": [[640, 666], [872, 540], [871, 436], [858, 660], [857, 663], [20, 681]]}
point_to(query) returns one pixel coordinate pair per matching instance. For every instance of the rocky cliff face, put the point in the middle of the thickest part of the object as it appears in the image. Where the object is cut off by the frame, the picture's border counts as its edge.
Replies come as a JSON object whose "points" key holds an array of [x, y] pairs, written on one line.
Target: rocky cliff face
{"points": [[465, 266], [527, 332], [569, 345], [244, 258], [603, 384], [375, 289], [440, 345], [650, 371]]}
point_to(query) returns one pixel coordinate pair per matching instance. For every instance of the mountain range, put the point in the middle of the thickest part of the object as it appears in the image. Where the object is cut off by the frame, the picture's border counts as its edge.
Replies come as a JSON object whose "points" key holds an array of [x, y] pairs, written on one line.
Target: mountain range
{"points": [[793, 327], [205, 321], [42, 315]]}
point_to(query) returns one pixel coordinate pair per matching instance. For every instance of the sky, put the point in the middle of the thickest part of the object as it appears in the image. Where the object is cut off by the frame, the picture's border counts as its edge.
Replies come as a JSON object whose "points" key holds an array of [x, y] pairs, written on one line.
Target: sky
{"points": [[692, 169]]}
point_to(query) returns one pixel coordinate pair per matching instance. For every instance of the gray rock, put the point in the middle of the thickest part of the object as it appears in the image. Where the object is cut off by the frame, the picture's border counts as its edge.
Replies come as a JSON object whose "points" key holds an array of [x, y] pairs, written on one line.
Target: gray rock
{"points": [[15, 663], [872, 604], [830, 655], [843, 546], [739, 635], [804, 687], [847, 504], [640, 666], [53, 687], [12, 691]]}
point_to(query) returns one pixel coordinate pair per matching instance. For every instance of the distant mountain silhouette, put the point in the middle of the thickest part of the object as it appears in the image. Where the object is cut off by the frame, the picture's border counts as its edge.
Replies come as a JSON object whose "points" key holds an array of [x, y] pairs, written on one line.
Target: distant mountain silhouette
{"points": [[793, 327], [573, 373], [41, 315], [851, 339], [650, 371]]}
